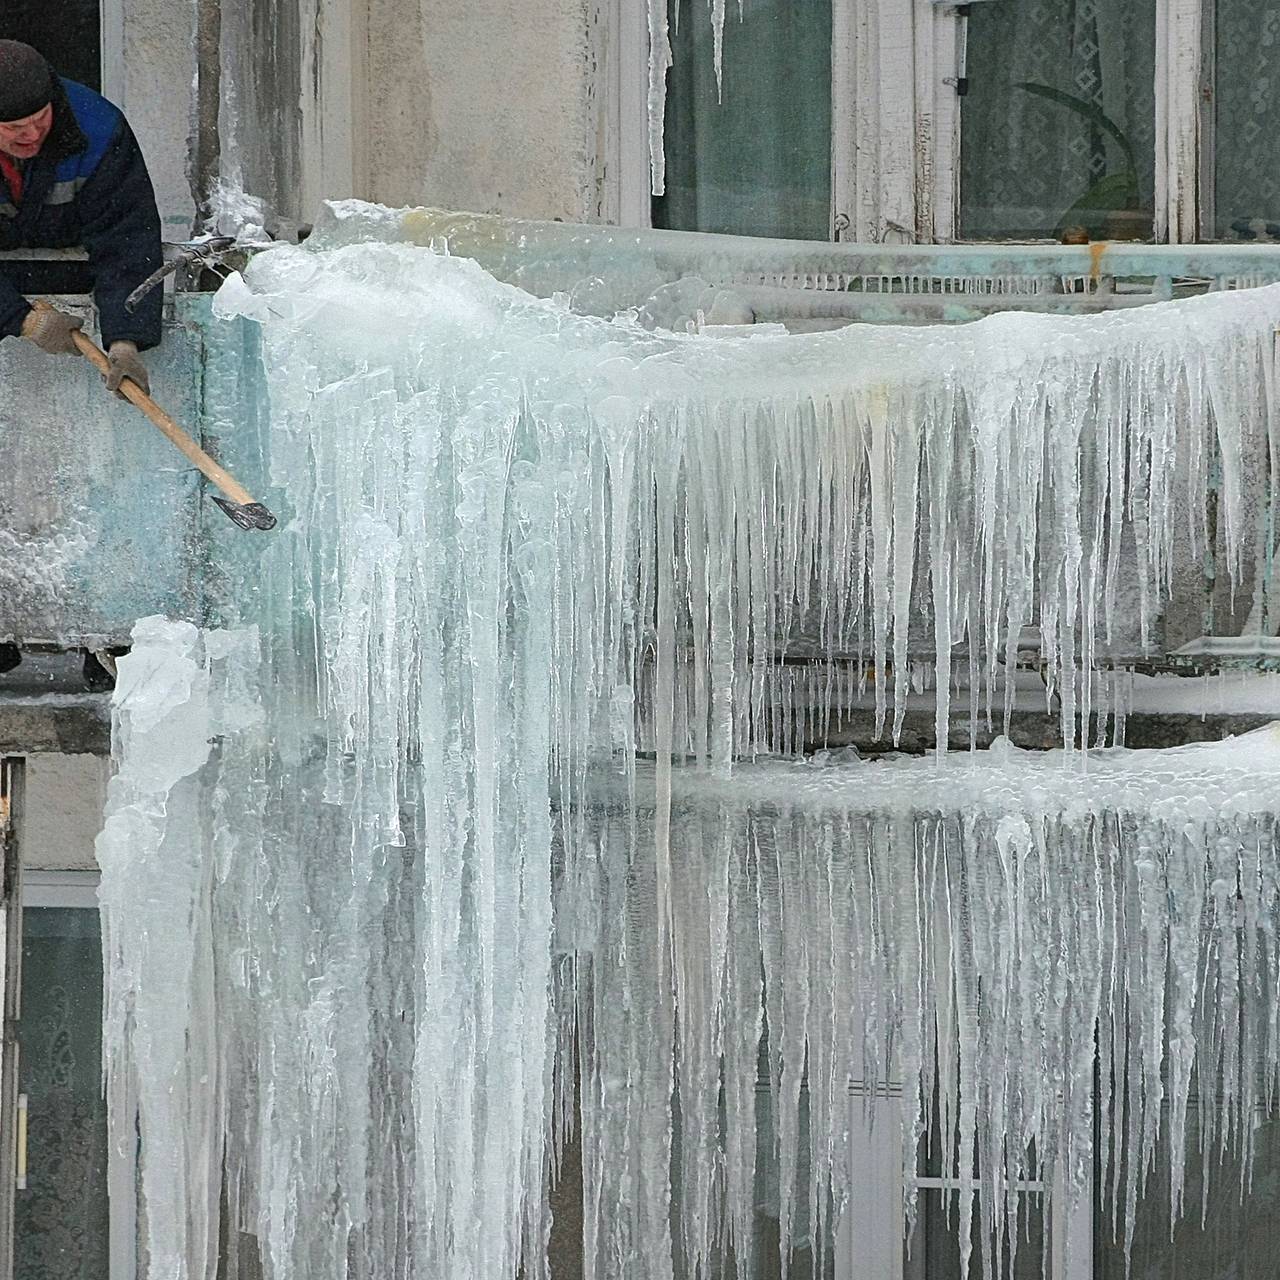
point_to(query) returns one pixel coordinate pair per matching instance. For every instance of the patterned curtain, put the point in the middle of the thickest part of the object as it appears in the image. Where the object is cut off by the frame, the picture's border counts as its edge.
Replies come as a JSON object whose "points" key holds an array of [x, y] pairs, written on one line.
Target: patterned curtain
{"points": [[755, 160], [1058, 128], [1247, 136]]}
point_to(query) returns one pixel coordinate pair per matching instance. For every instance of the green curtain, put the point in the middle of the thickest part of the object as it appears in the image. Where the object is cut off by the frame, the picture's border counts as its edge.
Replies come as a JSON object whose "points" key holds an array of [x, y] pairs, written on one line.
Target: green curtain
{"points": [[1247, 177], [757, 160]]}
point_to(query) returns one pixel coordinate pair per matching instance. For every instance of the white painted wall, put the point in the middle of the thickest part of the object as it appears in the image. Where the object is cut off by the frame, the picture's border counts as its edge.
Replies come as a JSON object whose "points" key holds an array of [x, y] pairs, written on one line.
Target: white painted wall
{"points": [[493, 105], [148, 66], [63, 798], [487, 106]]}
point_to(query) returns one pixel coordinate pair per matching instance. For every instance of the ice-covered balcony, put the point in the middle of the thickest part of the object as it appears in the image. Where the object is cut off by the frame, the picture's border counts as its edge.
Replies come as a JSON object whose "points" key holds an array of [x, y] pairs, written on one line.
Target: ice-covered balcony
{"points": [[522, 548], [103, 522]]}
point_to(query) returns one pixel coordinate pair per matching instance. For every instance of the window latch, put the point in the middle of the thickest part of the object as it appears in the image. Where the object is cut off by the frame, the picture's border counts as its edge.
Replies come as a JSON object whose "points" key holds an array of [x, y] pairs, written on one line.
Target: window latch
{"points": [[959, 83]]}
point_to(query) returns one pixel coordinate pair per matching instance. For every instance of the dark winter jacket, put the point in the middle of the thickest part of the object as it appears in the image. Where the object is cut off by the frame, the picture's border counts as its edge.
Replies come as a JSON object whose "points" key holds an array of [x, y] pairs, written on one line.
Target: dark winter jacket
{"points": [[88, 186]]}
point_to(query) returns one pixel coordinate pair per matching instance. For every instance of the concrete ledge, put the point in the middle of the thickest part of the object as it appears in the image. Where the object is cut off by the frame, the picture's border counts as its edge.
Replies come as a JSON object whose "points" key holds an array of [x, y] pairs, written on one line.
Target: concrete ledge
{"points": [[1035, 731], [64, 723]]}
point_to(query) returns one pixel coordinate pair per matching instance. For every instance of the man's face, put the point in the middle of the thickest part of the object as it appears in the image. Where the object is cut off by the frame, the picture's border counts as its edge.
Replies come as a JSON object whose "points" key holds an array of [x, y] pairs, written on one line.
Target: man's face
{"points": [[22, 139]]}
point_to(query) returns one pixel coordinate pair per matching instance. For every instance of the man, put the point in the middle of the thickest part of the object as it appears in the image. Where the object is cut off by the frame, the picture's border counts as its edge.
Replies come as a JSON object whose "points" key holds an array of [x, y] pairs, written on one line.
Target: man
{"points": [[71, 173]]}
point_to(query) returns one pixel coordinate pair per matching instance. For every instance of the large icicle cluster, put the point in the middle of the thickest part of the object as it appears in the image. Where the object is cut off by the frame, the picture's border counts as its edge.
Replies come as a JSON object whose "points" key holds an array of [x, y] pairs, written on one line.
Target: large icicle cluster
{"points": [[980, 933], [524, 547]]}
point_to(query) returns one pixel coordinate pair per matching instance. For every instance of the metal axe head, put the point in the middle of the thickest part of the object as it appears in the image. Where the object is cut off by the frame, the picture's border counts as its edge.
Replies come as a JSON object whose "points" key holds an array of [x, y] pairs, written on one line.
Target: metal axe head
{"points": [[246, 515]]}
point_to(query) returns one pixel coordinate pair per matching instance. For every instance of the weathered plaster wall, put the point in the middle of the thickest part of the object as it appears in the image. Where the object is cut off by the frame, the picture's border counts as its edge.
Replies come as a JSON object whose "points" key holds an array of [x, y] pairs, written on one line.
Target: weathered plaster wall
{"points": [[492, 105], [62, 805], [260, 121], [487, 106], [148, 70]]}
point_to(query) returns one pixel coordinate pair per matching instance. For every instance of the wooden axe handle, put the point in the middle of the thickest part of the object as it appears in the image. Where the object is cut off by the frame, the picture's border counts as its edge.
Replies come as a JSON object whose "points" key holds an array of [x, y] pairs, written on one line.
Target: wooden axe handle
{"points": [[140, 400]]}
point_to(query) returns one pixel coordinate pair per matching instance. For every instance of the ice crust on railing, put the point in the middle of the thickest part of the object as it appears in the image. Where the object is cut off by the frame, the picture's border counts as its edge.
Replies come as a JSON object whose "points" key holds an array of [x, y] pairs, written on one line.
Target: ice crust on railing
{"points": [[523, 545], [603, 270]]}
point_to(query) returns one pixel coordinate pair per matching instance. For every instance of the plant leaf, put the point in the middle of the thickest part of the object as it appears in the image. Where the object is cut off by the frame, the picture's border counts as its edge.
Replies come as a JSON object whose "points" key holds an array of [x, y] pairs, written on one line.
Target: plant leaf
{"points": [[1117, 191], [1093, 114]]}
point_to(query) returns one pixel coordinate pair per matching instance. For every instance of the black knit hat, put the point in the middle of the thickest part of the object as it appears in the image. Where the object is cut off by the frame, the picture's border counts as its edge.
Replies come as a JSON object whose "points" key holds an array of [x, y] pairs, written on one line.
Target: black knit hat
{"points": [[26, 81]]}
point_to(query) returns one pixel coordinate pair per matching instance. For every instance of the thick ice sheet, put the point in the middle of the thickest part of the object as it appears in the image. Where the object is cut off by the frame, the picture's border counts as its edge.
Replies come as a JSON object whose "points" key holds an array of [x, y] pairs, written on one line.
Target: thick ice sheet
{"points": [[99, 516], [521, 546], [886, 487], [160, 1035]]}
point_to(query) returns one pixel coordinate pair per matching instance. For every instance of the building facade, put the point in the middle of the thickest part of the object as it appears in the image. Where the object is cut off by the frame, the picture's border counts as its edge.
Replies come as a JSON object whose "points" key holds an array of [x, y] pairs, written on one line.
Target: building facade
{"points": [[892, 123]]}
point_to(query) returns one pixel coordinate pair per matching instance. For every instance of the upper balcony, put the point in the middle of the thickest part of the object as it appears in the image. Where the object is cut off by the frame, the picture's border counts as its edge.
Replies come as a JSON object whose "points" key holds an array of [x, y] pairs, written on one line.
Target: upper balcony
{"points": [[102, 521]]}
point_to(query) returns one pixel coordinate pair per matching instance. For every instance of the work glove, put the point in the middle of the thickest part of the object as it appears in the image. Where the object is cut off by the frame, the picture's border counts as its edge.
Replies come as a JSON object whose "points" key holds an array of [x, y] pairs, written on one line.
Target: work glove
{"points": [[124, 362], [51, 330]]}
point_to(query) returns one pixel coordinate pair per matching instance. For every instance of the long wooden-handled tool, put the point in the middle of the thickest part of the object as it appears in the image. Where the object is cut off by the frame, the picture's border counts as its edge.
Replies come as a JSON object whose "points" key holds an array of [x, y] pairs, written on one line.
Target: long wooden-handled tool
{"points": [[239, 504]]}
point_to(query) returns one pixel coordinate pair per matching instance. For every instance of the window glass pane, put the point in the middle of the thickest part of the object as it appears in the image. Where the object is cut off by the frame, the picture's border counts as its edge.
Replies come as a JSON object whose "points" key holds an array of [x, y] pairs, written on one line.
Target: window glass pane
{"points": [[60, 1225], [66, 32], [933, 1252], [1247, 176], [1235, 1239], [1058, 127], [808, 1257], [756, 161]]}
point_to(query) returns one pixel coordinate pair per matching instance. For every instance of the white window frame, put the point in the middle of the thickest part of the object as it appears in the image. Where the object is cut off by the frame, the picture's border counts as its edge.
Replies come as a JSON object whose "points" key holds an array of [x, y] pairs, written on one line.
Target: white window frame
{"points": [[896, 120], [111, 26], [78, 889], [1179, 61]]}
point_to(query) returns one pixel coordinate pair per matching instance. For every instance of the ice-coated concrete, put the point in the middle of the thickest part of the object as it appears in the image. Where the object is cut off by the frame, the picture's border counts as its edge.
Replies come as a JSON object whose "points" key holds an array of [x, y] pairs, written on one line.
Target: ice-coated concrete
{"points": [[98, 511]]}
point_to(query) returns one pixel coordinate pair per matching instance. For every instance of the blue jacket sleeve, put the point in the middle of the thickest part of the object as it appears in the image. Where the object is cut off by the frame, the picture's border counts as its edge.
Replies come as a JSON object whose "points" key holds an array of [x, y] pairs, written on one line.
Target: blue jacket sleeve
{"points": [[13, 309], [121, 229]]}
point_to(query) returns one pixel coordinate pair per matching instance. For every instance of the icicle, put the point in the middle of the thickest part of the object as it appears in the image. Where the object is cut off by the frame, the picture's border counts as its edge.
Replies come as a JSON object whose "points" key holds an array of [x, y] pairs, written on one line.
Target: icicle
{"points": [[659, 65], [717, 40]]}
